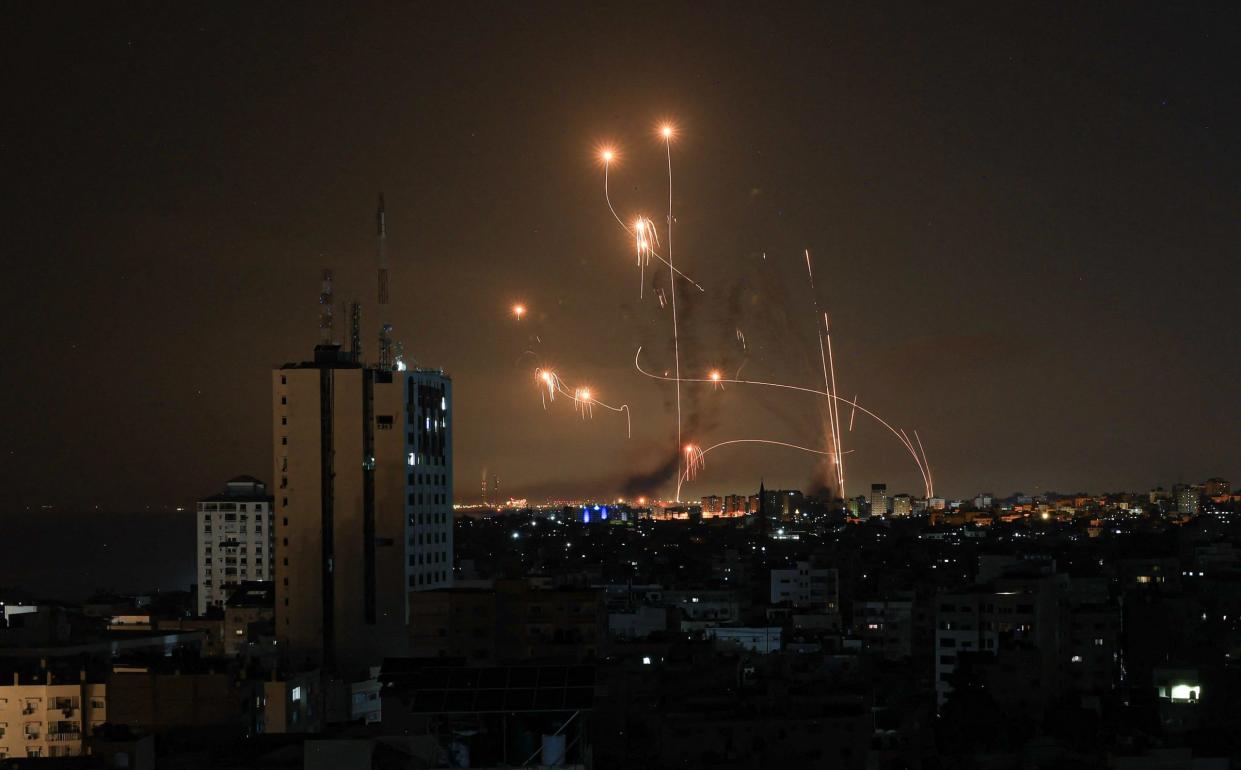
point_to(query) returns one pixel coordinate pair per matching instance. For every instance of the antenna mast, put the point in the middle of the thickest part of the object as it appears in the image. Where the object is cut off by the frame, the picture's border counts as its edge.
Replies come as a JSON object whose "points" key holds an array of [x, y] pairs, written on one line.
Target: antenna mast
{"points": [[355, 332], [385, 327], [326, 332]]}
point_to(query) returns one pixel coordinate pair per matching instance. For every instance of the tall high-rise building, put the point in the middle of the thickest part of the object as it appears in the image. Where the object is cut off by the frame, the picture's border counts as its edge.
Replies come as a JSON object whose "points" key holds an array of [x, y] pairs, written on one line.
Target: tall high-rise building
{"points": [[878, 499], [902, 505], [363, 455], [1188, 497], [235, 540]]}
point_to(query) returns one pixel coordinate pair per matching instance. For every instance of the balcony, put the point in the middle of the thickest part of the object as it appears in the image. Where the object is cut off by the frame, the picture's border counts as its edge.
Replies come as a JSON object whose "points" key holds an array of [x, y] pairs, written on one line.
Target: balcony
{"points": [[68, 735]]}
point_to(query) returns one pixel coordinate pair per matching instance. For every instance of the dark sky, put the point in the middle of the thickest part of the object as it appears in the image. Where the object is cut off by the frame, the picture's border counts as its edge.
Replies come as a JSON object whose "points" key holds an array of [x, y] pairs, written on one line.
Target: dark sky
{"points": [[1024, 219]]}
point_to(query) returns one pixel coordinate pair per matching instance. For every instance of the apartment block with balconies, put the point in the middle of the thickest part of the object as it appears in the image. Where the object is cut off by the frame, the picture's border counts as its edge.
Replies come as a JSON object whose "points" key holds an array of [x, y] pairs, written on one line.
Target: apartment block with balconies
{"points": [[46, 714]]}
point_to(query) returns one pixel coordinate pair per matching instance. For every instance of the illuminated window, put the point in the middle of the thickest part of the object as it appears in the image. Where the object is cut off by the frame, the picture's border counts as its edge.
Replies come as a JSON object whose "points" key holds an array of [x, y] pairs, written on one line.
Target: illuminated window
{"points": [[1185, 692]]}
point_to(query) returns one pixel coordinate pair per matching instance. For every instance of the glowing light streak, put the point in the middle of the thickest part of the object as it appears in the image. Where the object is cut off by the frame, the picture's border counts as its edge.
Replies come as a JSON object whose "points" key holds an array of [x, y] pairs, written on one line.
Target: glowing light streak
{"points": [[584, 399], [829, 384], [694, 461], [701, 454], [813, 391], [672, 282], [607, 156]]}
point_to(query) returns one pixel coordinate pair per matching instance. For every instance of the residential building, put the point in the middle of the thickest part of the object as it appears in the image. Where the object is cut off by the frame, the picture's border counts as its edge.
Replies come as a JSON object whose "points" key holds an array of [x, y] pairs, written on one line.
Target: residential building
{"points": [[252, 603], [902, 505], [806, 586], [878, 499], [235, 540], [45, 713], [1188, 498], [363, 455], [1008, 614], [885, 627], [1216, 487]]}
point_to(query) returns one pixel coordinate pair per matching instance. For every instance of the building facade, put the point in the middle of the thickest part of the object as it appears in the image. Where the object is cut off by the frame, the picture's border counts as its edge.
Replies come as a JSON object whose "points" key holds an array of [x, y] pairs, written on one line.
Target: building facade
{"points": [[235, 540], [806, 586], [43, 716], [363, 458], [878, 499]]}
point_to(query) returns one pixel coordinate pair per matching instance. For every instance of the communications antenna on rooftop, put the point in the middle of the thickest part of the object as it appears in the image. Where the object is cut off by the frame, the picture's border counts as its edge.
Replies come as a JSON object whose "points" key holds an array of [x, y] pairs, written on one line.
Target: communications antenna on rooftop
{"points": [[326, 331]]}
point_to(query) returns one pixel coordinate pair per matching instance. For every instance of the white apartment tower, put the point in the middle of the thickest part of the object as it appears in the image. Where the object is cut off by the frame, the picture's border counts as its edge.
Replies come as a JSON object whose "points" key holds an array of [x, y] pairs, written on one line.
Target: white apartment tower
{"points": [[235, 540]]}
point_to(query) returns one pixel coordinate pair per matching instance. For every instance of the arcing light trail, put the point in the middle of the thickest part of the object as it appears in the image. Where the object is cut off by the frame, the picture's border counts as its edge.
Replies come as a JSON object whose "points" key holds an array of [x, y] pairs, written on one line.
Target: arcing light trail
{"points": [[606, 157], [700, 455], [919, 460], [690, 457], [584, 399]]}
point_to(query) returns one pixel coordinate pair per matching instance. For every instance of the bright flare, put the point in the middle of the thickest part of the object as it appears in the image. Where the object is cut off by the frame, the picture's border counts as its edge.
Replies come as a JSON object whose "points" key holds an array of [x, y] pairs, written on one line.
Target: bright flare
{"points": [[694, 460], [519, 311]]}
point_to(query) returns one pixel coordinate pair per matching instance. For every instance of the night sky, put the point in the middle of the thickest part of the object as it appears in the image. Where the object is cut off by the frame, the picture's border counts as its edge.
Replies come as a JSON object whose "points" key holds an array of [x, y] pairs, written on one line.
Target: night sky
{"points": [[1024, 220]]}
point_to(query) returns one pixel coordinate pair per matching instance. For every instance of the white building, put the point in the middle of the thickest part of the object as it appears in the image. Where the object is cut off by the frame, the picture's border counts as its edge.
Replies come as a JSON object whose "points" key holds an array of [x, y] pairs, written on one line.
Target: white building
{"points": [[236, 540], [46, 717]]}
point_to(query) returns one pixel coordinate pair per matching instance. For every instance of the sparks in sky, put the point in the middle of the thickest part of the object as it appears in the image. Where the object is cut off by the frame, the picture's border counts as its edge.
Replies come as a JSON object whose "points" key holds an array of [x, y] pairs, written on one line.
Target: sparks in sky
{"points": [[694, 460], [584, 399]]}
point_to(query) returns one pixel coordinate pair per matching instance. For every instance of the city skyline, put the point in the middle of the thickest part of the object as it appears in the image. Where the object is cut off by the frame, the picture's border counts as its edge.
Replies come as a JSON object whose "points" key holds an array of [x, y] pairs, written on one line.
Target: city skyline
{"points": [[1000, 227]]}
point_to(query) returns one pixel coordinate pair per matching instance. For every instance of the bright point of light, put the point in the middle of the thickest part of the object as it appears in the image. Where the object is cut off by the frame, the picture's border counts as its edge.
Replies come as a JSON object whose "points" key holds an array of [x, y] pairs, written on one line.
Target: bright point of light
{"points": [[666, 131], [546, 377], [607, 156], [519, 310], [584, 394], [516, 535], [715, 375]]}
